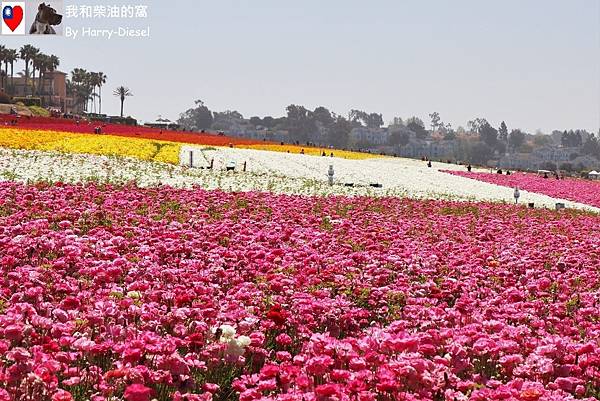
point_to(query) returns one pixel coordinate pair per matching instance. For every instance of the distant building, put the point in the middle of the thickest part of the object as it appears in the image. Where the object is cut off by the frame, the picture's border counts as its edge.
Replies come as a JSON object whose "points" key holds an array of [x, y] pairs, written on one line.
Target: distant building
{"points": [[163, 123], [520, 161], [429, 149], [553, 154], [372, 136], [53, 92]]}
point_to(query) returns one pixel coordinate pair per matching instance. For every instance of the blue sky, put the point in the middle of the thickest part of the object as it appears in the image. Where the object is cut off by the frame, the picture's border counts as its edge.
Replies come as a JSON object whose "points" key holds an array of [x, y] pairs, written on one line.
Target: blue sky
{"points": [[534, 64]]}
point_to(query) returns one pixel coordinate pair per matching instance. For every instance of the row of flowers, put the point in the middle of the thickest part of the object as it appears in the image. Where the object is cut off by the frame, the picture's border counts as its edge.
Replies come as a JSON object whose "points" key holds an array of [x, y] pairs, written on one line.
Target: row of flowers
{"points": [[574, 189], [87, 127], [265, 171], [144, 149], [111, 293], [38, 124]]}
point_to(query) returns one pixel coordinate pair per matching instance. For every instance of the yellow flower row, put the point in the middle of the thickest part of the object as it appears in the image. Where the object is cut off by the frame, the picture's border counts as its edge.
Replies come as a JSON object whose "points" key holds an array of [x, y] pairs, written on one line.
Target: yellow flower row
{"points": [[145, 149], [345, 154]]}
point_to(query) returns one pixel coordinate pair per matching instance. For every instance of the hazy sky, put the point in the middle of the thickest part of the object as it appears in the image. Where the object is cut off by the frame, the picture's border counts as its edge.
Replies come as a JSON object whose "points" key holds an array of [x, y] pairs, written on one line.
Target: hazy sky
{"points": [[534, 63]]}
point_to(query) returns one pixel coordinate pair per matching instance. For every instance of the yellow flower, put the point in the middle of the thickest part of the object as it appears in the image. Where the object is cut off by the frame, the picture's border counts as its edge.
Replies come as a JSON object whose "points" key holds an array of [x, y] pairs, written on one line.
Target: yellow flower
{"points": [[108, 145], [310, 151]]}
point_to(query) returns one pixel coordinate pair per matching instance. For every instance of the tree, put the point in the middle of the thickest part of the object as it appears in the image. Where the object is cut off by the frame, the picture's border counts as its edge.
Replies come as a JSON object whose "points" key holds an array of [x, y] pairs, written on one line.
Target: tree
{"points": [[435, 121], [399, 137], [417, 126], [397, 123], [572, 139], [339, 131], [10, 57], [255, 121], [488, 134], [268, 122], [38, 63], [450, 135], [80, 87], [27, 53], [300, 123], [372, 120], [480, 153], [357, 116], [415, 120], [542, 140], [476, 124], [122, 92], [516, 139], [2, 60], [45, 64], [100, 81], [591, 147], [503, 132], [196, 118], [323, 116]]}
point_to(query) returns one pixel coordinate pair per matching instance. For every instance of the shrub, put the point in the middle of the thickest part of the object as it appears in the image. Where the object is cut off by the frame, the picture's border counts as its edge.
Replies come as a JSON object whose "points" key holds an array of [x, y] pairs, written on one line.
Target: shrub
{"points": [[4, 98]]}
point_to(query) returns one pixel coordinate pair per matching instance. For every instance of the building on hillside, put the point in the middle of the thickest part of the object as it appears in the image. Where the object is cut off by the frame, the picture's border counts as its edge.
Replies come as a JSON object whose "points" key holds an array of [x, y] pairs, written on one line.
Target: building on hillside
{"points": [[53, 92], [371, 136], [554, 154], [520, 161], [430, 149]]}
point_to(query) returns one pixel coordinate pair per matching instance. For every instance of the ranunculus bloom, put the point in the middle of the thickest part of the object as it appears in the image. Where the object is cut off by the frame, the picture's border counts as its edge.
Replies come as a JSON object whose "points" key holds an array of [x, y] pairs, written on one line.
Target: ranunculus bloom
{"points": [[62, 395], [138, 392]]}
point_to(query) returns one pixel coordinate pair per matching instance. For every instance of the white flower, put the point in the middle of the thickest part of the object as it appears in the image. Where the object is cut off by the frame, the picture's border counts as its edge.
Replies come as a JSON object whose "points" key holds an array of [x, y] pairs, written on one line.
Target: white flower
{"points": [[227, 333], [134, 294], [243, 341]]}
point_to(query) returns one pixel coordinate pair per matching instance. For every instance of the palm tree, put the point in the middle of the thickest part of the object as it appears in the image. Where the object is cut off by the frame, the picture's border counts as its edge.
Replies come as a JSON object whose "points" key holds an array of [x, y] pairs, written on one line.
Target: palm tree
{"points": [[41, 64], [100, 81], [27, 53], [2, 60], [94, 80], [11, 57], [122, 92], [81, 86], [52, 63]]}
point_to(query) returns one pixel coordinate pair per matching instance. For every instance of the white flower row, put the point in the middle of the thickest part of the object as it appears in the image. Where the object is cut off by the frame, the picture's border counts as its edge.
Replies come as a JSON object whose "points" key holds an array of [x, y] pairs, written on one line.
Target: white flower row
{"points": [[265, 171], [398, 176]]}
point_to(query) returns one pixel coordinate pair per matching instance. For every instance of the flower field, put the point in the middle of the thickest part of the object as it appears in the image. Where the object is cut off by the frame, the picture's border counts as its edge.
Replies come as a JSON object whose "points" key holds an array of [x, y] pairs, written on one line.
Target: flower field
{"points": [[43, 126], [71, 126], [576, 190], [121, 293], [272, 172]]}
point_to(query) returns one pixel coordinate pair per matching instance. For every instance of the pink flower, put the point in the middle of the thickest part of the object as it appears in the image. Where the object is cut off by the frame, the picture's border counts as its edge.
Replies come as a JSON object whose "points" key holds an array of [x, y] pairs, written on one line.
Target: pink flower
{"points": [[138, 392], [4, 396], [62, 395]]}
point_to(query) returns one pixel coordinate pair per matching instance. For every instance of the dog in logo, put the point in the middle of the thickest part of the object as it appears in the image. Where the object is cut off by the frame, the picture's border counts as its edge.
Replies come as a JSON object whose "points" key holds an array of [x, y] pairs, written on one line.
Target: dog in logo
{"points": [[44, 20]]}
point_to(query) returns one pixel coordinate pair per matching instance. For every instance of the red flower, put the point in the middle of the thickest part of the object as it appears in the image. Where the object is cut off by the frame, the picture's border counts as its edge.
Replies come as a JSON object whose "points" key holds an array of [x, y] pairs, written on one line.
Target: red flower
{"points": [[70, 303], [196, 341], [277, 315]]}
